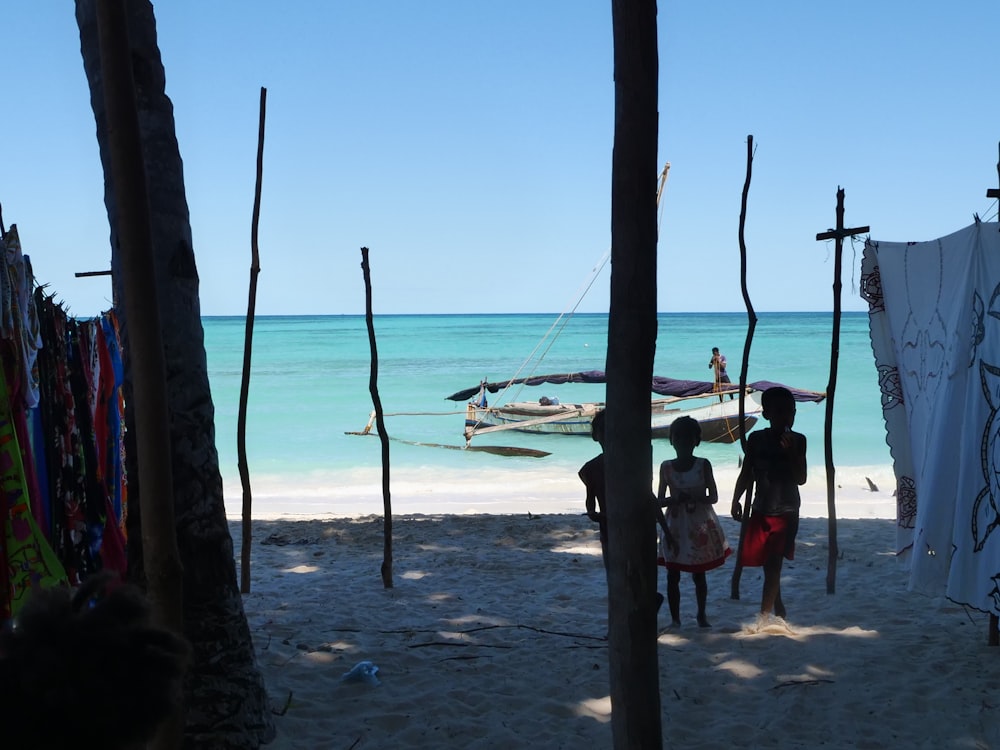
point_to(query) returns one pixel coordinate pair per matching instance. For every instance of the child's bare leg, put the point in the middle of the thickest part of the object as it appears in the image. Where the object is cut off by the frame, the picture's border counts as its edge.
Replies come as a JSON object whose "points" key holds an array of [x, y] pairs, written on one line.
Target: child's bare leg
{"points": [[772, 586], [701, 595], [779, 607], [674, 595]]}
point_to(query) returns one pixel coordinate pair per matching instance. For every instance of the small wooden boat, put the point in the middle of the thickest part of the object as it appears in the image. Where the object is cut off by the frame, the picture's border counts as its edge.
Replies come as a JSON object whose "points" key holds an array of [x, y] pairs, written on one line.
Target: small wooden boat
{"points": [[719, 420], [716, 410]]}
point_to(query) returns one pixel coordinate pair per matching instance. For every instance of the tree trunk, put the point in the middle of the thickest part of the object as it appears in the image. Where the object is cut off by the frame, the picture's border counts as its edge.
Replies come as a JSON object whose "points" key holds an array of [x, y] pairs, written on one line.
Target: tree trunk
{"points": [[162, 561], [634, 672], [226, 703]]}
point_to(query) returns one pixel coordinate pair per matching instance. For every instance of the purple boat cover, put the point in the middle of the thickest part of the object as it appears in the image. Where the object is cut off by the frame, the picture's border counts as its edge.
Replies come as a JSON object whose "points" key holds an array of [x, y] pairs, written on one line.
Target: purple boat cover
{"points": [[661, 386]]}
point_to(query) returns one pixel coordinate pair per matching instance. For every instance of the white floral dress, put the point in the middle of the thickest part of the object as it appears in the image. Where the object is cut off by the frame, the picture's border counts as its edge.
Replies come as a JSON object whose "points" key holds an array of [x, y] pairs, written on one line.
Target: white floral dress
{"points": [[695, 526]]}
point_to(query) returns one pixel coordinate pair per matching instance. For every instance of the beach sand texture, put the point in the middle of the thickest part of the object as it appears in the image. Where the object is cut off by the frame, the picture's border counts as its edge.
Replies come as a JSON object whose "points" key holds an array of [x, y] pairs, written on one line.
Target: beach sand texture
{"points": [[494, 636]]}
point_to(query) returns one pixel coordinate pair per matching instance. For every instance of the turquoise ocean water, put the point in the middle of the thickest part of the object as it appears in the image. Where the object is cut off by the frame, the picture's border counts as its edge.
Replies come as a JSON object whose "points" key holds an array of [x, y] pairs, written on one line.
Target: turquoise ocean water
{"points": [[309, 385]]}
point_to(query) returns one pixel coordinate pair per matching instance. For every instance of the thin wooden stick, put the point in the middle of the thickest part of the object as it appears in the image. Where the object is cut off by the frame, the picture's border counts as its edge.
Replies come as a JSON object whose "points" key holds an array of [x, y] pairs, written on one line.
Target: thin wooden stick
{"points": [[837, 235], [241, 421], [831, 392], [751, 326], [380, 426]]}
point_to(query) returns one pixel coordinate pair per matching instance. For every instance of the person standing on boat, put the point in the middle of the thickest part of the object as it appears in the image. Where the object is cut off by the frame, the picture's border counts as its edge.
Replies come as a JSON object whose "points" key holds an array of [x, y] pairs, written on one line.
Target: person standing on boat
{"points": [[718, 364]]}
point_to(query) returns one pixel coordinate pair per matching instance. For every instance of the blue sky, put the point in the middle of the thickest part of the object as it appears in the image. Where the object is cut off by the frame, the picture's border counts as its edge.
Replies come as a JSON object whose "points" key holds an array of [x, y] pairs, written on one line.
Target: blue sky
{"points": [[468, 144]]}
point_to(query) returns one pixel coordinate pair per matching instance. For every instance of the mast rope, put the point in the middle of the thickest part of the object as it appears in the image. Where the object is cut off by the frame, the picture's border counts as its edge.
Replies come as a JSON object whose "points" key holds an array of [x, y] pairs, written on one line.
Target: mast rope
{"points": [[564, 318], [587, 284]]}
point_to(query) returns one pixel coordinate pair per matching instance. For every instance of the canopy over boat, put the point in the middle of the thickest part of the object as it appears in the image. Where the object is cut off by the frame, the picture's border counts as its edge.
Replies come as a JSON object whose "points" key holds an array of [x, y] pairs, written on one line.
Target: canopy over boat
{"points": [[660, 385]]}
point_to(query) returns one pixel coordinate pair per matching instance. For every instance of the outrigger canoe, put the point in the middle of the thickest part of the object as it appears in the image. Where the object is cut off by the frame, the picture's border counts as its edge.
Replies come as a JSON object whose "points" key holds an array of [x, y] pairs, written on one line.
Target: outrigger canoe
{"points": [[716, 409]]}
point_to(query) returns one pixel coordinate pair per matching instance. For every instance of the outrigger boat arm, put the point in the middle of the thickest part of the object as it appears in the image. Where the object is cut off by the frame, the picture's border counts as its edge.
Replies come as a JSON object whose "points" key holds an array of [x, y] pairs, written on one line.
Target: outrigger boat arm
{"points": [[500, 450]]}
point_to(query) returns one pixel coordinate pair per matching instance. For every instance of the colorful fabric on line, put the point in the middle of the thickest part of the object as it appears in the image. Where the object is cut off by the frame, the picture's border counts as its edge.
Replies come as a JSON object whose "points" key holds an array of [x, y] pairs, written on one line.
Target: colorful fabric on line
{"points": [[28, 560], [61, 428]]}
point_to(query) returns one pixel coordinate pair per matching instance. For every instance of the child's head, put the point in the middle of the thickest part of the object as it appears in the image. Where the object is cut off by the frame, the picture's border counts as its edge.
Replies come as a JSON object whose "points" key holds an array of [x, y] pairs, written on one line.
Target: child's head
{"points": [[47, 657], [685, 434], [779, 406], [597, 427]]}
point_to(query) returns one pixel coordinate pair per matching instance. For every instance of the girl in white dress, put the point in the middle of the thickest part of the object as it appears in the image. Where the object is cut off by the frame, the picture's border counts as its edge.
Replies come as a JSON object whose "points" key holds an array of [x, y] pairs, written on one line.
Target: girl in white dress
{"points": [[687, 491]]}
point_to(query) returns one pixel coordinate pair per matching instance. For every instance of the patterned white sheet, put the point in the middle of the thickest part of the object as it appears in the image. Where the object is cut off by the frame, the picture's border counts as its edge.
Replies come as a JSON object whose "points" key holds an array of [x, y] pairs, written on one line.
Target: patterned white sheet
{"points": [[934, 311]]}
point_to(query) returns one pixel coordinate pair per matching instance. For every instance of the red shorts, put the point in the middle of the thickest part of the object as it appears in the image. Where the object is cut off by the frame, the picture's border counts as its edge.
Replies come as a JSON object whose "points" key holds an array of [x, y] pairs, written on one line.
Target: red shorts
{"points": [[767, 537]]}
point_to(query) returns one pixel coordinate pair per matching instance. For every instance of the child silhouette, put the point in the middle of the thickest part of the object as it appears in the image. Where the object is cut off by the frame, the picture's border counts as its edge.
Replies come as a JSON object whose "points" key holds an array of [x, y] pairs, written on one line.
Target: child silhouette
{"points": [[687, 490], [592, 476], [776, 463]]}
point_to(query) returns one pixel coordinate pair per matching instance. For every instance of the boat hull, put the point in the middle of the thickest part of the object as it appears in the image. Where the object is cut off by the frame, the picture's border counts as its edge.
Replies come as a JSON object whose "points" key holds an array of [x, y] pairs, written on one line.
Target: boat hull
{"points": [[575, 419], [719, 420]]}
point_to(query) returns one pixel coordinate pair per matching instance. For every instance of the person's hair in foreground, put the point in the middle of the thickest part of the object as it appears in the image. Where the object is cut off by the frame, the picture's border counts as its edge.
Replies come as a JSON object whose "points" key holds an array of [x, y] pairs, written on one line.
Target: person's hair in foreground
{"points": [[684, 429], [776, 464], [87, 670], [597, 427]]}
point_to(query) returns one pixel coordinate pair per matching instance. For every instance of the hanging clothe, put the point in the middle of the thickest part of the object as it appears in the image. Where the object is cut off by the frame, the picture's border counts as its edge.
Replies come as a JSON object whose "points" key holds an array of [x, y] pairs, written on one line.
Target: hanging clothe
{"points": [[61, 426], [27, 560], [934, 311]]}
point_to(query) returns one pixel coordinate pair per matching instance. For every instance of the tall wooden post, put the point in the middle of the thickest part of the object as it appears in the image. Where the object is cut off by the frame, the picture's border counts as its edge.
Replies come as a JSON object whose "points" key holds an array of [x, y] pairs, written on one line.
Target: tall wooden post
{"points": [[383, 436], [628, 453], [734, 592], [993, 633], [837, 235], [149, 388], [241, 421]]}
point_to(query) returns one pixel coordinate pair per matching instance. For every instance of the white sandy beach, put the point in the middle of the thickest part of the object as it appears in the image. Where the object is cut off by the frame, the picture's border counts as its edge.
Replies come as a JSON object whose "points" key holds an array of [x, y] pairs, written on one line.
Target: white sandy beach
{"points": [[494, 633]]}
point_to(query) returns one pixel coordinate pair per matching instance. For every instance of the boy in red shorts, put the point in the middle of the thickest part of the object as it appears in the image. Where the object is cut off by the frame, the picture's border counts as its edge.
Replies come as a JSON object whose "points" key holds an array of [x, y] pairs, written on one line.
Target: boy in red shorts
{"points": [[776, 463]]}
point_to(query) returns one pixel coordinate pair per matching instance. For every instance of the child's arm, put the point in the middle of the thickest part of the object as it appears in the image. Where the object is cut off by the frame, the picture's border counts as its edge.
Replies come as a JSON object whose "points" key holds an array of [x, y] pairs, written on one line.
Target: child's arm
{"points": [[712, 494], [743, 482], [592, 513], [668, 538], [662, 501], [800, 458], [591, 502]]}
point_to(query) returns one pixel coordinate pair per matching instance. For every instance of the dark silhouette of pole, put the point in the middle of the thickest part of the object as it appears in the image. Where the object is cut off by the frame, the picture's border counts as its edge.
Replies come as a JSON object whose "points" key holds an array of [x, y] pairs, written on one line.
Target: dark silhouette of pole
{"points": [[837, 235], [993, 634], [149, 381], [751, 326], [632, 646], [241, 421], [383, 436]]}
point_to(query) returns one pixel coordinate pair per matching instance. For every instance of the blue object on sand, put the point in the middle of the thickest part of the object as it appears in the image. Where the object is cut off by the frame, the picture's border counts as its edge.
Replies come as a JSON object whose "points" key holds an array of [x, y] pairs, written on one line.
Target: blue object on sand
{"points": [[363, 671]]}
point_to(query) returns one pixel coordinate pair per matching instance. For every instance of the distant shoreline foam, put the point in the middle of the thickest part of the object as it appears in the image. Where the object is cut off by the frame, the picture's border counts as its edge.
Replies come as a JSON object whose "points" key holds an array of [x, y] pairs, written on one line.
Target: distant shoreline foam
{"points": [[430, 490]]}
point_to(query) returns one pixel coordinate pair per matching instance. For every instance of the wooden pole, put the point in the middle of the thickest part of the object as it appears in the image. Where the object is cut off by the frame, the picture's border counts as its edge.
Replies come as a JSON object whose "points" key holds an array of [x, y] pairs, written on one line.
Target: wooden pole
{"points": [[149, 388], [734, 592], [837, 235], [993, 633], [995, 192], [241, 421], [633, 653], [380, 426]]}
